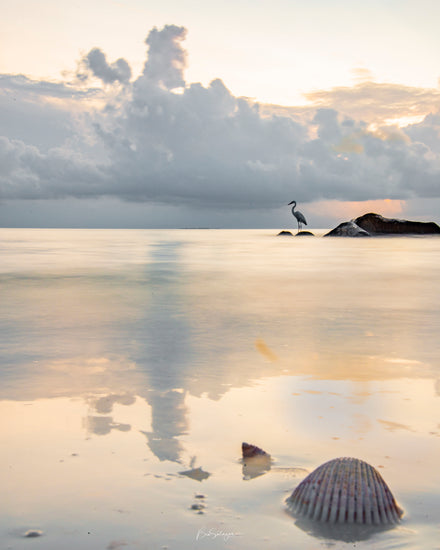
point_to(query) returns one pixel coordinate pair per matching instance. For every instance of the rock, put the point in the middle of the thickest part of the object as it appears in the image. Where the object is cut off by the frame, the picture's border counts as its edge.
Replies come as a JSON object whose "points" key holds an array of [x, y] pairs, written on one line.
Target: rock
{"points": [[347, 229], [375, 224], [285, 233], [378, 225], [32, 533]]}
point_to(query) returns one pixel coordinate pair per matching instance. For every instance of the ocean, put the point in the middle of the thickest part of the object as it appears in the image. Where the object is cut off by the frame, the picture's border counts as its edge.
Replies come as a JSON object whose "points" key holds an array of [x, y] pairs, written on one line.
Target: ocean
{"points": [[134, 363]]}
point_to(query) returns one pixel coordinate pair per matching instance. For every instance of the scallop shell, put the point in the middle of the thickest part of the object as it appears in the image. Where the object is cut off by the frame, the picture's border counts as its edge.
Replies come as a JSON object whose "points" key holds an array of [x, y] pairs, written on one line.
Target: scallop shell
{"points": [[347, 491]]}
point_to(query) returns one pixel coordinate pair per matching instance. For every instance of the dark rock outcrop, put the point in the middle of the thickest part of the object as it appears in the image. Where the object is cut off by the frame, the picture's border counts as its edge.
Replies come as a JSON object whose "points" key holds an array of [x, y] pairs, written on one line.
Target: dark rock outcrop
{"points": [[378, 225], [374, 224], [285, 234], [347, 229], [305, 234]]}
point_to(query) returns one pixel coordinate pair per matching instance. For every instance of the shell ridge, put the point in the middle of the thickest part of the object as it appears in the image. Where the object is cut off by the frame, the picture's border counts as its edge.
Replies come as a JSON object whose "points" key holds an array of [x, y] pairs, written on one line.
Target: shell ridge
{"points": [[367, 515], [302, 495], [359, 496], [390, 504], [328, 495], [312, 495], [313, 490], [298, 497], [305, 494], [351, 492], [385, 517], [336, 493], [321, 510], [396, 511], [391, 510], [374, 496], [344, 487]]}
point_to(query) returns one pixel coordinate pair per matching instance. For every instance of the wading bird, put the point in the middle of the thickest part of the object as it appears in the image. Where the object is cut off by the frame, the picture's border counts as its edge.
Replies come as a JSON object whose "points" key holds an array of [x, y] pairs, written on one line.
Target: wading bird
{"points": [[298, 215]]}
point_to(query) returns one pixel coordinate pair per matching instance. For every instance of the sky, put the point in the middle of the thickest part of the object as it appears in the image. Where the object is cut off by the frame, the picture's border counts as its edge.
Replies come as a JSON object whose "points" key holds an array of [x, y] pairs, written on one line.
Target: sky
{"points": [[134, 113]]}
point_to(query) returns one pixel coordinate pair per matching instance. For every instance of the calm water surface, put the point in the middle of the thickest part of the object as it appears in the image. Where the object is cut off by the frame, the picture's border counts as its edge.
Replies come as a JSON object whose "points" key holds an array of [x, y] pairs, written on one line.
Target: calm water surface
{"points": [[134, 363]]}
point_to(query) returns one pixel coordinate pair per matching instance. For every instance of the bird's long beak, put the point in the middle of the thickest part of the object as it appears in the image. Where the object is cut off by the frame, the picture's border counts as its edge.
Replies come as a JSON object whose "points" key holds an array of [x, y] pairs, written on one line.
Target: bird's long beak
{"points": [[290, 203]]}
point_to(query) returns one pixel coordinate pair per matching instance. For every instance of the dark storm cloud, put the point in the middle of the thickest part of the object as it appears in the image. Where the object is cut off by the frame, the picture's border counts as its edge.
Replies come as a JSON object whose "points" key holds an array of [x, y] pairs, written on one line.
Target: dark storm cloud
{"points": [[160, 139]]}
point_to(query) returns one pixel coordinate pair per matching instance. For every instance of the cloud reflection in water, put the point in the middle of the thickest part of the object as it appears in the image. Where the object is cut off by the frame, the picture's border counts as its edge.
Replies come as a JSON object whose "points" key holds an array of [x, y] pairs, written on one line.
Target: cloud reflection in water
{"points": [[171, 345]]}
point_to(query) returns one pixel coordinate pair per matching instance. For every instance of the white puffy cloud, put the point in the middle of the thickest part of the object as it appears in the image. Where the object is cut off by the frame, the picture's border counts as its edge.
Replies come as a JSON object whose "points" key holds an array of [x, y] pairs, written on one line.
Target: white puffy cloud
{"points": [[159, 139], [166, 57]]}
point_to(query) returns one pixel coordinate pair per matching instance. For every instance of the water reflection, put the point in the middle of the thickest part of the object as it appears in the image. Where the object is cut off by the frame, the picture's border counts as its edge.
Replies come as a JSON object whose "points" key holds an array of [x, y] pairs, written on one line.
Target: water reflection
{"points": [[188, 344], [256, 466], [186, 320], [164, 332], [165, 350], [169, 422], [343, 533], [104, 404], [103, 425]]}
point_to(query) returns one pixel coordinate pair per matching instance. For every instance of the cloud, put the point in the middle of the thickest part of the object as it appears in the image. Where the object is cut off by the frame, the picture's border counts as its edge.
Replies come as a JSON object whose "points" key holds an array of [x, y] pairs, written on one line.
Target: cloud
{"points": [[43, 113], [426, 132], [166, 57], [27, 173], [159, 139], [24, 87], [376, 102], [362, 74], [118, 71]]}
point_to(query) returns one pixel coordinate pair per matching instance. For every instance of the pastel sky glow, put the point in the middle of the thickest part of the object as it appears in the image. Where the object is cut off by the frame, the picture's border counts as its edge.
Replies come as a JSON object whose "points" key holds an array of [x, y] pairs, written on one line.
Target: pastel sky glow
{"points": [[133, 113]]}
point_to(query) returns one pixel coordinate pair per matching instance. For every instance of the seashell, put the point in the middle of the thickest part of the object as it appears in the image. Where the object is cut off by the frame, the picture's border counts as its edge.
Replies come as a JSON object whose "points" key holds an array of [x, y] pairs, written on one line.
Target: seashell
{"points": [[345, 491], [250, 451]]}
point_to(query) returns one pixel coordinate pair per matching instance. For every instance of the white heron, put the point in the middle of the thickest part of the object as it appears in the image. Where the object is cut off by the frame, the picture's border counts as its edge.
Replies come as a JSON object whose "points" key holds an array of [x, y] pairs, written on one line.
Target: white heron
{"points": [[298, 215]]}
